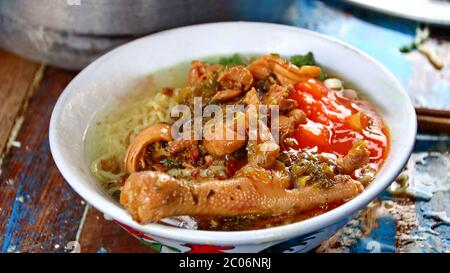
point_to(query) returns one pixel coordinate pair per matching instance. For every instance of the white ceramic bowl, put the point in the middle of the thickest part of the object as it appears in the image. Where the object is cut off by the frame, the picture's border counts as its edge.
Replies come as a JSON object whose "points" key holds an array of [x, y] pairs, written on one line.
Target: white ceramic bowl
{"points": [[111, 76]]}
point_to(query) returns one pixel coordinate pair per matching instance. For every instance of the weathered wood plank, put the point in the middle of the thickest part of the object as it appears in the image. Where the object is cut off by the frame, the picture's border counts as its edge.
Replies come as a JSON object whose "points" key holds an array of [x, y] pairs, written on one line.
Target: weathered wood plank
{"points": [[17, 76], [434, 124], [38, 210], [101, 235], [382, 36]]}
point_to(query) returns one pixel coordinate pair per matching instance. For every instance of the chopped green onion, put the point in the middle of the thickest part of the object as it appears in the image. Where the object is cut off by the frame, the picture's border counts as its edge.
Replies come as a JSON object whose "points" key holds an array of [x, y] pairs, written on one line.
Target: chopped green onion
{"points": [[232, 60], [301, 181], [170, 163], [322, 76], [300, 60]]}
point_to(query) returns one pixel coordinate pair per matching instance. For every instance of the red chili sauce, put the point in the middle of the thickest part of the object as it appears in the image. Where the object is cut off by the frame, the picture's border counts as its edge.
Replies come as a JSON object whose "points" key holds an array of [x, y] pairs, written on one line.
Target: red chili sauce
{"points": [[335, 123]]}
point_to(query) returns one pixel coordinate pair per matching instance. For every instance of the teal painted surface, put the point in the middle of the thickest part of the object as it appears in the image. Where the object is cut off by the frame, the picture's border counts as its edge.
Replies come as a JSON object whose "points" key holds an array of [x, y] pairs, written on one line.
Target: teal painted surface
{"points": [[380, 39], [427, 234], [380, 36]]}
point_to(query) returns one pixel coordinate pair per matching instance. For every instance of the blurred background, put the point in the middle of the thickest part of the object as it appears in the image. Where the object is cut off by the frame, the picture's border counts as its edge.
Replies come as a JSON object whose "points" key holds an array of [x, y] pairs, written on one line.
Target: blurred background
{"points": [[72, 33], [45, 43]]}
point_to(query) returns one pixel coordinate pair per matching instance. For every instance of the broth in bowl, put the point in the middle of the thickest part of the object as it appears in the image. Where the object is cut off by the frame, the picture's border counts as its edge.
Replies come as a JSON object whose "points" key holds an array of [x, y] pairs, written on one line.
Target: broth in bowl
{"points": [[237, 143]]}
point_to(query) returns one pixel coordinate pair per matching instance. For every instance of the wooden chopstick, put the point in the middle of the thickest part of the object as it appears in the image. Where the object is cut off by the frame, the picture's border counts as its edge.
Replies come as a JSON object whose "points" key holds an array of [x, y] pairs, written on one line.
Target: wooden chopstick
{"points": [[433, 112], [434, 123]]}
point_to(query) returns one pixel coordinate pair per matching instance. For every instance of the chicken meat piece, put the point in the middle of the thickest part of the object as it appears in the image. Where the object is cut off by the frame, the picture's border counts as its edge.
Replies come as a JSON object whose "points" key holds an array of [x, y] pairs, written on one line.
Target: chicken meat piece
{"points": [[251, 98], [226, 95], [277, 94], [223, 138], [286, 125], [285, 72], [153, 134], [298, 115], [150, 196], [179, 145], [236, 77], [356, 157], [200, 71], [262, 148]]}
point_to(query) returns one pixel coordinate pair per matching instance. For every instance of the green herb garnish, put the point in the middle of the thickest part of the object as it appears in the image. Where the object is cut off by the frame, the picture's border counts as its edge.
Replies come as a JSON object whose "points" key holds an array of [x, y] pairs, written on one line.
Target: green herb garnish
{"points": [[300, 60], [232, 60], [170, 163], [408, 48], [308, 59], [323, 76], [422, 34], [275, 55]]}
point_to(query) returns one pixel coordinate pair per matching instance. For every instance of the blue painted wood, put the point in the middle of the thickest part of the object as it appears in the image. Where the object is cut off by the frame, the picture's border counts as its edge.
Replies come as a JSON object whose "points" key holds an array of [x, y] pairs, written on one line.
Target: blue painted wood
{"points": [[39, 210], [381, 36], [427, 235], [380, 240]]}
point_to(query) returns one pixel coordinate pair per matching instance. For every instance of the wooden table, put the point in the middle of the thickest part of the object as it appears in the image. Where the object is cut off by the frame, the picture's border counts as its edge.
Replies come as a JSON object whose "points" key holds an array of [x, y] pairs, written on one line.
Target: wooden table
{"points": [[39, 212]]}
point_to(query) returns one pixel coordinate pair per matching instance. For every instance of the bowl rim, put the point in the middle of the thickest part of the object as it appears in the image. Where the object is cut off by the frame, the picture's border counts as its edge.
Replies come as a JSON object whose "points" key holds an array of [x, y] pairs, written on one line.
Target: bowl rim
{"points": [[278, 233]]}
